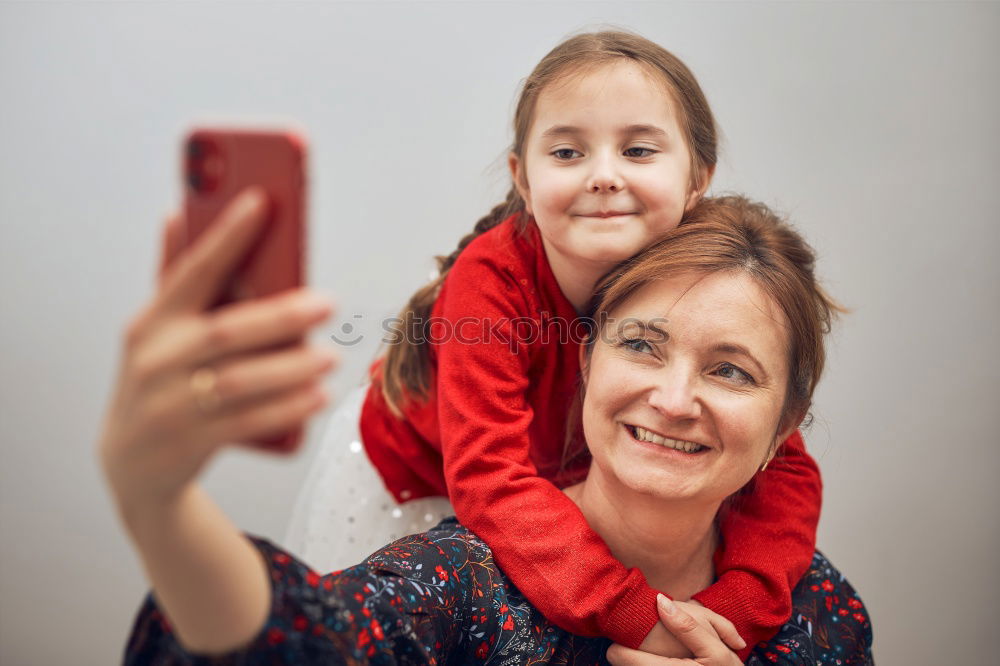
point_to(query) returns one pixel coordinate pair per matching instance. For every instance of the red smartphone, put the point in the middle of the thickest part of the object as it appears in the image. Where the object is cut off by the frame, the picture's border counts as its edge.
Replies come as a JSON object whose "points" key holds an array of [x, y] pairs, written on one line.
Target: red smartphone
{"points": [[220, 163]]}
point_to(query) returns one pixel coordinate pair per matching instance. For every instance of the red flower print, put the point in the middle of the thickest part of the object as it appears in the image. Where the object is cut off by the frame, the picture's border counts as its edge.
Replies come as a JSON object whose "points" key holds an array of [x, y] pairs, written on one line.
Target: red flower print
{"points": [[282, 559], [377, 630], [312, 578], [503, 609], [509, 623], [860, 617], [829, 603], [364, 638], [771, 657], [814, 588], [275, 636], [783, 648], [328, 582], [300, 623], [827, 585], [482, 650], [854, 603], [442, 574], [842, 611], [358, 597]]}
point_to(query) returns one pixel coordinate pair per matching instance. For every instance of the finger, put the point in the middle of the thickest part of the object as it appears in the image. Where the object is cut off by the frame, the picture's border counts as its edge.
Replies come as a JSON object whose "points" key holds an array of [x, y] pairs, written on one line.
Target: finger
{"points": [[692, 635], [243, 381], [172, 243], [619, 655], [233, 329], [271, 416], [202, 269], [726, 631]]}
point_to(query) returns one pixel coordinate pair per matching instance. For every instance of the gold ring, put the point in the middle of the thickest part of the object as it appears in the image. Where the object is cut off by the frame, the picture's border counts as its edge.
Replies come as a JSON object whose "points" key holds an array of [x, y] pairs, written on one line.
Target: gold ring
{"points": [[203, 386]]}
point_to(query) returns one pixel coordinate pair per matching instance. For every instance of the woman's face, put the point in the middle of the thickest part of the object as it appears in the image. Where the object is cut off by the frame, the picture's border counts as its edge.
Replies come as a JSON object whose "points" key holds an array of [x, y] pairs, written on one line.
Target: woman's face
{"points": [[685, 387]]}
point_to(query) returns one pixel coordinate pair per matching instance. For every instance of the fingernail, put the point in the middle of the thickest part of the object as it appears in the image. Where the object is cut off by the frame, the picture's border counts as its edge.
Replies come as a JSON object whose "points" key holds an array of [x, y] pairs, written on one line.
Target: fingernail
{"points": [[316, 305], [250, 200], [666, 604], [326, 358]]}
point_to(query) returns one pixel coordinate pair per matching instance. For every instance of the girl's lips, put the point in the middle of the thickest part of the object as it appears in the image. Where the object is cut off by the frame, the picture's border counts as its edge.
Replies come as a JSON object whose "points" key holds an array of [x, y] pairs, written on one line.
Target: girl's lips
{"points": [[606, 214]]}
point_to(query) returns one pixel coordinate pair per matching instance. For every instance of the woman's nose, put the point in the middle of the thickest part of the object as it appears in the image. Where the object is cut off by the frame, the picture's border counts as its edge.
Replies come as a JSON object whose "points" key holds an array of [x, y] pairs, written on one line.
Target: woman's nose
{"points": [[605, 177], [676, 399]]}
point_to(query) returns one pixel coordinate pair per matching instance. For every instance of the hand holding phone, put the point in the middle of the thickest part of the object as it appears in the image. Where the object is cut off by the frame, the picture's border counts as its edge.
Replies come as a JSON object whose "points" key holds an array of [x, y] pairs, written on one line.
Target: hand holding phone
{"points": [[162, 427]]}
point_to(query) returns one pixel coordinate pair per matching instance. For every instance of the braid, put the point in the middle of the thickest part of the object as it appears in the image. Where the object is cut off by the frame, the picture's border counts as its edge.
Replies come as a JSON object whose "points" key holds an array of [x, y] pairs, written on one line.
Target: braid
{"points": [[407, 367]]}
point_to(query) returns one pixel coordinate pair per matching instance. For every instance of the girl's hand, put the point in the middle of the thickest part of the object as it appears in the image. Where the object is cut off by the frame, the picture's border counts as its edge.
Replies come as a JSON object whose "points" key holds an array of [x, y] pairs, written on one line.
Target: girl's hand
{"points": [[191, 380], [700, 631]]}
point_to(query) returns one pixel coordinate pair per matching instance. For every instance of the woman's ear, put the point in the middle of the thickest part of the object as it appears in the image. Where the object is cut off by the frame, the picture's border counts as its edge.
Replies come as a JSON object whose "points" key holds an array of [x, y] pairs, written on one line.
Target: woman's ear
{"points": [[788, 425], [705, 179], [517, 175]]}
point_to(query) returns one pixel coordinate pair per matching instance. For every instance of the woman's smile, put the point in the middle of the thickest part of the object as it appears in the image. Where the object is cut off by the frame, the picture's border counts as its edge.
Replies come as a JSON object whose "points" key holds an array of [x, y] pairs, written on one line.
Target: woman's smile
{"points": [[644, 436]]}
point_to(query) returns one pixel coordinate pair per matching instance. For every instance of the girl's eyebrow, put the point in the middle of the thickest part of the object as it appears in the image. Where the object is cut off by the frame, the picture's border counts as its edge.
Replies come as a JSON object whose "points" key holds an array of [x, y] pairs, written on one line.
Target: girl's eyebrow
{"points": [[644, 129], [570, 130]]}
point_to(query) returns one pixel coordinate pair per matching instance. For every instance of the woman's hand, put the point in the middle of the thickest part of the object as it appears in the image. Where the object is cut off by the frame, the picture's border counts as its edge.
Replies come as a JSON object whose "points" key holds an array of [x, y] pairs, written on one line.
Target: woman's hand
{"points": [[192, 380], [709, 638]]}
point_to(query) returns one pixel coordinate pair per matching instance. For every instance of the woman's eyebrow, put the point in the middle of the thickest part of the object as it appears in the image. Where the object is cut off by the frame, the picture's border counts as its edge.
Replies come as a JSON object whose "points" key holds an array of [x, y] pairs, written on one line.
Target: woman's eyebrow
{"points": [[629, 325]]}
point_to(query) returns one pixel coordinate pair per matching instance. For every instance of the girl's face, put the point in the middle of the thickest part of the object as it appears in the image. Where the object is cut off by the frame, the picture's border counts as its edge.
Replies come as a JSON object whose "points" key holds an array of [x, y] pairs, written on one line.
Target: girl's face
{"points": [[606, 168], [685, 388]]}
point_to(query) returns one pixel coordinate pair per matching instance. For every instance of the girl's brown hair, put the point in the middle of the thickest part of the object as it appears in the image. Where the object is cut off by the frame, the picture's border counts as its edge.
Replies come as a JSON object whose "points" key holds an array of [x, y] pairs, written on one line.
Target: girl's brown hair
{"points": [[733, 233], [406, 371]]}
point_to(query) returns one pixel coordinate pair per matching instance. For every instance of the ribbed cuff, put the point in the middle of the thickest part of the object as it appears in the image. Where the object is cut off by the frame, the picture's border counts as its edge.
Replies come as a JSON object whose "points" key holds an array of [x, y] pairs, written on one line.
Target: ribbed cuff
{"points": [[634, 616], [735, 602]]}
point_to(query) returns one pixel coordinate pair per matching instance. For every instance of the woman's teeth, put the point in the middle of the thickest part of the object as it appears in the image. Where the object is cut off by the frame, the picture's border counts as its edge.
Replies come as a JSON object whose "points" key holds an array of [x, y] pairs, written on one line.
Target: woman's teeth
{"points": [[646, 436]]}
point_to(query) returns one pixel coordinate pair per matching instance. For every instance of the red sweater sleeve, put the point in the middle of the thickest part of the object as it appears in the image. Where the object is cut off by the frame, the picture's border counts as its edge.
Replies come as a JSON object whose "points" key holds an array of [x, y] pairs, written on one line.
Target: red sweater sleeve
{"points": [[769, 537], [539, 537]]}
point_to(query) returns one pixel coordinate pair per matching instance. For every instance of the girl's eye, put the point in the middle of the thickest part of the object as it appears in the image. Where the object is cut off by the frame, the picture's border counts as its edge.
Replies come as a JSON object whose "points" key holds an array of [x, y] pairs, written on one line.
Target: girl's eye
{"points": [[731, 372], [639, 151], [565, 153], [637, 345]]}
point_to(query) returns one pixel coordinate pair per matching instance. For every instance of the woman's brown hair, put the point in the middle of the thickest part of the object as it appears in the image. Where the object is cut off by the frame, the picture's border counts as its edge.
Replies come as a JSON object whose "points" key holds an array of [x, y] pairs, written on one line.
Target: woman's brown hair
{"points": [[406, 371]]}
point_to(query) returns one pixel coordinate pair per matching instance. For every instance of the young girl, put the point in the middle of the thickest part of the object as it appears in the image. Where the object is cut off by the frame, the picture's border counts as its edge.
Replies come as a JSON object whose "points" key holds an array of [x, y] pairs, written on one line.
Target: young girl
{"points": [[613, 142]]}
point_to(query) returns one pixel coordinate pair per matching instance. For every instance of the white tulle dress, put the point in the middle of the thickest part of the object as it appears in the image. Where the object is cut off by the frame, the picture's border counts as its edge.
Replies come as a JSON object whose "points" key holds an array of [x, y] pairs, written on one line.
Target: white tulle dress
{"points": [[344, 512]]}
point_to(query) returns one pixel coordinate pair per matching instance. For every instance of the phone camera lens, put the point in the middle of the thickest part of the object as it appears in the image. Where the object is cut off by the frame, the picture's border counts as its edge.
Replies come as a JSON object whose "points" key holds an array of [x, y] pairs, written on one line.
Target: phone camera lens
{"points": [[204, 166]]}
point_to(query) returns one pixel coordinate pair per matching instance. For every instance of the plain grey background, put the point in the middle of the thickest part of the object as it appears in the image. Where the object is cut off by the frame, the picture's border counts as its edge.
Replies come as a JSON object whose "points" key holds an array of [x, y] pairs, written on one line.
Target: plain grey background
{"points": [[874, 126]]}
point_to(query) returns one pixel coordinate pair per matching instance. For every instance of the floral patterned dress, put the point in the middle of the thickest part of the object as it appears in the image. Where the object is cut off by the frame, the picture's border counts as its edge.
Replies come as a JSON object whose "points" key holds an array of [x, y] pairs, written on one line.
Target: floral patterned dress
{"points": [[439, 598]]}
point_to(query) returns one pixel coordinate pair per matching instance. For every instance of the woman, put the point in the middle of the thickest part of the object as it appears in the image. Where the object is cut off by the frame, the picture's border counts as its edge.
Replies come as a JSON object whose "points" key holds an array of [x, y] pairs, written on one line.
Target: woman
{"points": [[708, 350]]}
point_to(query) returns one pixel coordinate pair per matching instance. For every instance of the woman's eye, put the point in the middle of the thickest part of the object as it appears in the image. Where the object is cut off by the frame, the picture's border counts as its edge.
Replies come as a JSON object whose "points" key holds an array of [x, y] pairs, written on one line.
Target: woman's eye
{"points": [[731, 372], [565, 153], [637, 345], [639, 151]]}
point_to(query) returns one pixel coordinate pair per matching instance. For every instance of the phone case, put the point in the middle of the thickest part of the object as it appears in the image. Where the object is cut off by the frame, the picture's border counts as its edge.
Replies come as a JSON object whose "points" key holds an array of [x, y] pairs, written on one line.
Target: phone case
{"points": [[217, 165]]}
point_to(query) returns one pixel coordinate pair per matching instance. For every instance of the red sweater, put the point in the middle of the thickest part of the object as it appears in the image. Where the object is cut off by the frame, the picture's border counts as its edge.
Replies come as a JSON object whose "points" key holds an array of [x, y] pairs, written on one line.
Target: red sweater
{"points": [[491, 438]]}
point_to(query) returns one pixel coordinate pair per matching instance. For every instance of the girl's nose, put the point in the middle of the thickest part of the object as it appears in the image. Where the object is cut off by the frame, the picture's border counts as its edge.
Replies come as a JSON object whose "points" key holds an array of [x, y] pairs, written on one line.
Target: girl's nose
{"points": [[605, 177], [676, 398]]}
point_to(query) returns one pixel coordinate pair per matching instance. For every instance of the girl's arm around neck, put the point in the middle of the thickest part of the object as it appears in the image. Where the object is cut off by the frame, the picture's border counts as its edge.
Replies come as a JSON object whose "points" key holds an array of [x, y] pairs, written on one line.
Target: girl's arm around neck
{"points": [[207, 577]]}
